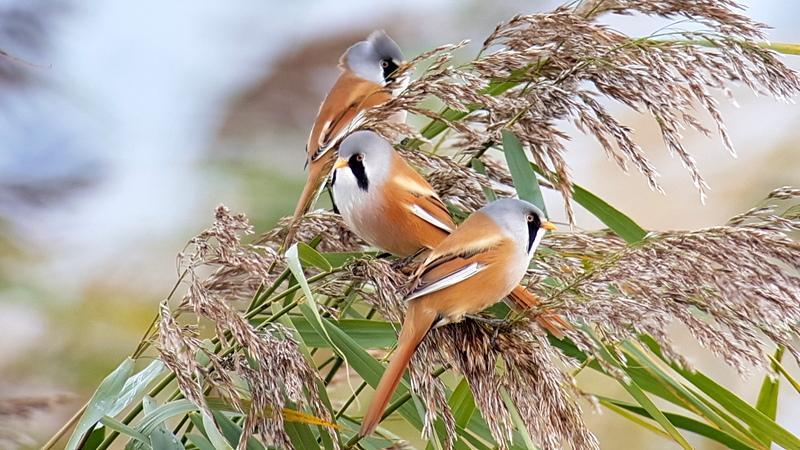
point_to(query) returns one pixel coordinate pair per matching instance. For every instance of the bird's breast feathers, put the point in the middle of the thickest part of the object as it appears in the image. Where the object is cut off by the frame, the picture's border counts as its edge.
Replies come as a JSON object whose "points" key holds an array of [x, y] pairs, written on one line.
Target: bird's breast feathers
{"points": [[352, 201], [362, 210]]}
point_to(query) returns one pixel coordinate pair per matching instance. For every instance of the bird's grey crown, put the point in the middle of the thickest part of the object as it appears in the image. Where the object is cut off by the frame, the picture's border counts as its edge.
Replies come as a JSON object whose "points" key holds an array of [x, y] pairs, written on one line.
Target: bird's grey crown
{"points": [[511, 215], [385, 46], [366, 142], [377, 153], [507, 207], [364, 58]]}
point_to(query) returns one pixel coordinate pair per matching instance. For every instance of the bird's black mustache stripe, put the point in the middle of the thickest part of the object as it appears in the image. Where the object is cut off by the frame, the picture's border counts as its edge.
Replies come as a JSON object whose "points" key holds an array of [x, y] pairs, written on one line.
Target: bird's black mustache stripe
{"points": [[357, 166], [389, 68], [533, 229], [330, 192]]}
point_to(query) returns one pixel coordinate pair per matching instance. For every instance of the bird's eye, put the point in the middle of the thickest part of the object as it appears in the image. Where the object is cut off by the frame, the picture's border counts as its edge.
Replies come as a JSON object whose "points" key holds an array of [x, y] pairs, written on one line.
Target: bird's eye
{"points": [[384, 63], [360, 157], [529, 217]]}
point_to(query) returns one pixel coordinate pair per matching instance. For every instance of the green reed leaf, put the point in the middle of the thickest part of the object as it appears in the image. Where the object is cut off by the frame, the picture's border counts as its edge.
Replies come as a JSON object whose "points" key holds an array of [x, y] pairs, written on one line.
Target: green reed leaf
{"points": [[758, 421], [521, 172], [103, 401], [767, 401]]}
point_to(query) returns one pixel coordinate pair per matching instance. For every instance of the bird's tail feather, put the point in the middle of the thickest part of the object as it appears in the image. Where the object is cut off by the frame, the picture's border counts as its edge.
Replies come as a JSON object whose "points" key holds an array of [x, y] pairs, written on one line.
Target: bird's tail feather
{"points": [[418, 322]]}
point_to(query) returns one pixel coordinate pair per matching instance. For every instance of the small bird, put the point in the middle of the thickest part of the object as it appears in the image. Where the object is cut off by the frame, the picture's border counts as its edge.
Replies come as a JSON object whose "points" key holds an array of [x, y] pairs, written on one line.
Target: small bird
{"points": [[481, 262], [392, 207], [383, 200], [367, 67]]}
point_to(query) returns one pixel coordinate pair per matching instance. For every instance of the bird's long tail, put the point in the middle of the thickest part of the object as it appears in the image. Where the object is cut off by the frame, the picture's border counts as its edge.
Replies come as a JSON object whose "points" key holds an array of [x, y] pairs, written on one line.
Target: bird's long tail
{"points": [[317, 174], [416, 325], [521, 300]]}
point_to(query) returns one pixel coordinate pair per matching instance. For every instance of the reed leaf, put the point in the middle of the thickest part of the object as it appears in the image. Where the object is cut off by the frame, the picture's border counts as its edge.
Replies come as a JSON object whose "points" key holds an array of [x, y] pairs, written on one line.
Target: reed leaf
{"points": [[767, 401]]}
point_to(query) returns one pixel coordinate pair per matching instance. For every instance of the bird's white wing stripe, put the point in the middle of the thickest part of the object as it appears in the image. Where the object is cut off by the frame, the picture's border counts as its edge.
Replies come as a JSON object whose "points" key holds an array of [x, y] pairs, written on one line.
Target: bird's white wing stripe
{"points": [[322, 133], [449, 280], [428, 217]]}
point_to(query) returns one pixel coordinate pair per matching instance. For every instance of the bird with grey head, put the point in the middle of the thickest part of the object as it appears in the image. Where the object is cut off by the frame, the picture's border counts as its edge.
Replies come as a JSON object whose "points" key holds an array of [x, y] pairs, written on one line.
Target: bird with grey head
{"points": [[368, 79], [384, 200], [376, 59], [477, 265]]}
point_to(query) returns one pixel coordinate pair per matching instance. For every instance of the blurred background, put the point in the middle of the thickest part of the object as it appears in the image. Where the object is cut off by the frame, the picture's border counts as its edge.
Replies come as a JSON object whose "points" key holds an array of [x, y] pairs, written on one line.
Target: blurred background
{"points": [[128, 122]]}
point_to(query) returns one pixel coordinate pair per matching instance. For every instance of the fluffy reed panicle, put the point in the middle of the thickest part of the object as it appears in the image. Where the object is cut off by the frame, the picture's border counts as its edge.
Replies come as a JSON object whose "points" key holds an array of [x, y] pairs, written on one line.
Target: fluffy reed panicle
{"points": [[719, 15], [267, 359], [239, 270], [531, 376], [328, 226], [734, 287], [178, 346], [536, 70]]}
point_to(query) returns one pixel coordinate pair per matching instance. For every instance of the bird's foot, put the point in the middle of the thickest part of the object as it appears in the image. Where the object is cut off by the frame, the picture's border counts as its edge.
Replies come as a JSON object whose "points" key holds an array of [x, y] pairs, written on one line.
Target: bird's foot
{"points": [[496, 324], [492, 321], [405, 265]]}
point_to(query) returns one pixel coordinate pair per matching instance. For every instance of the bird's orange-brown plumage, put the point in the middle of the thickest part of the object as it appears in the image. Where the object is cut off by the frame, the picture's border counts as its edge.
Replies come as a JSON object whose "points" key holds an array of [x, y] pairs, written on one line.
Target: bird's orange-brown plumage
{"points": [[416, 325], [478, 240], [415, 233], [390, 223], [348, 96], [520, 299]]}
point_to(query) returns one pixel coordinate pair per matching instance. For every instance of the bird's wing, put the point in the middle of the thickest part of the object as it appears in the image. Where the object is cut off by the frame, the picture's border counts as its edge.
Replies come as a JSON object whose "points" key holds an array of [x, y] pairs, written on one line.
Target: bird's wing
{"points": [[422, 199], [420, 210], [477, 234], [342, 112], [334, 130], [461, 270], [460, 256]]}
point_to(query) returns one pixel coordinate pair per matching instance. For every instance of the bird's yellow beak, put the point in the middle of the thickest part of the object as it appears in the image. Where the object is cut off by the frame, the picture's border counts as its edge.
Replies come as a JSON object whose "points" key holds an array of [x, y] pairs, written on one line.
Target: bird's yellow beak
{"points": [[340, 163], [549, 226]]}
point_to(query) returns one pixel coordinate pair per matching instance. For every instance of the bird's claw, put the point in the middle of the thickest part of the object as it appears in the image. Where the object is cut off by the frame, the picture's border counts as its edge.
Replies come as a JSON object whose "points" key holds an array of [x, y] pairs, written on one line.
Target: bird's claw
{"points": [[496, 324], [492, 321]]}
